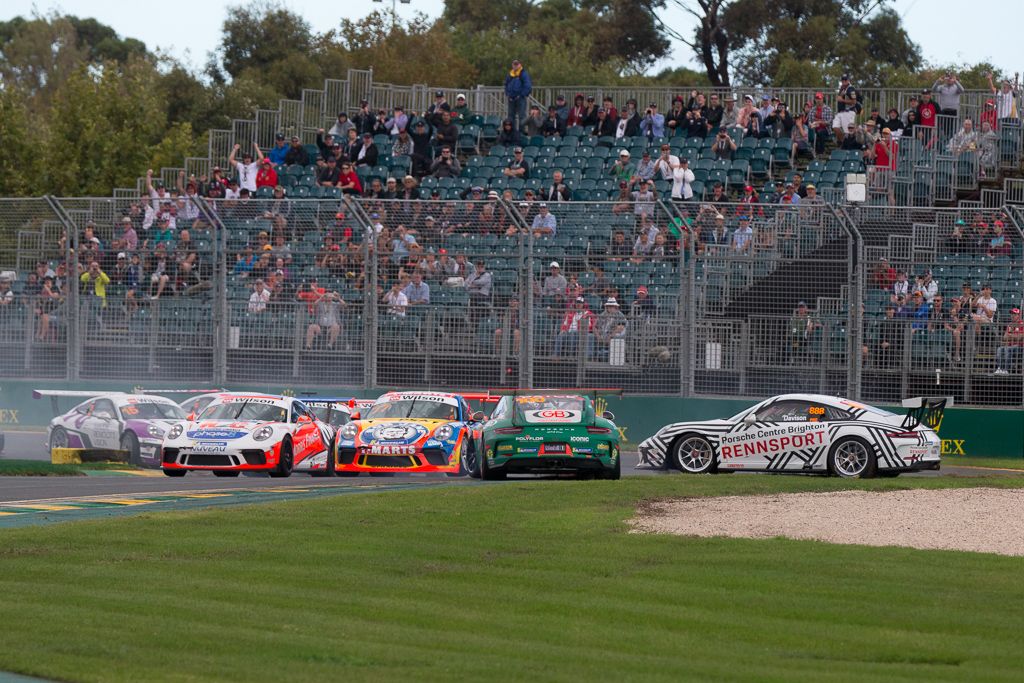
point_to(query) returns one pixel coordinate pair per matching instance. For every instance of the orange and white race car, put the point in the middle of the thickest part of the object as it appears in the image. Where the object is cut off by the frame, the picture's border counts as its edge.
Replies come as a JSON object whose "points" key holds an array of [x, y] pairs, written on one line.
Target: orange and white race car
{"points": [[249, 432], [412, 431]]}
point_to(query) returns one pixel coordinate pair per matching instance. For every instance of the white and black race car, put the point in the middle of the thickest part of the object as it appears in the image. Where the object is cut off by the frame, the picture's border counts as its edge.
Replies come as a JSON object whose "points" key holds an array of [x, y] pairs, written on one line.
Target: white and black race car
{"points": [[805, 433]]}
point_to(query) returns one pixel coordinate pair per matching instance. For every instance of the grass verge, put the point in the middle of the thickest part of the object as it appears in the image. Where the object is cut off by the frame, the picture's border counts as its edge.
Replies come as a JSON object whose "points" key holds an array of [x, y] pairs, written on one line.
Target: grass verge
{"points": [[41, 468], [988, 463], [520, 581]]}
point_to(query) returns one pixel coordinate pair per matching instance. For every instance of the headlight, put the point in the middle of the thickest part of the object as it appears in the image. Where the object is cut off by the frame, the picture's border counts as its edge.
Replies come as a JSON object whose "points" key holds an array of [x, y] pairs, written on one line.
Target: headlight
{"points": [[175, 432], [155, 431], [443, 432], [263, 433], [349, 431]]}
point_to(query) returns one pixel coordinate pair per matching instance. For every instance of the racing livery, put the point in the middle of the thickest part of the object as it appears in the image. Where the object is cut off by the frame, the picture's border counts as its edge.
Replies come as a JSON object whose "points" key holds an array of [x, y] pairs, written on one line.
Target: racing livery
{"points": [[249, 432], [411, 431], [805, 433], [557, 432], [135, 423]]}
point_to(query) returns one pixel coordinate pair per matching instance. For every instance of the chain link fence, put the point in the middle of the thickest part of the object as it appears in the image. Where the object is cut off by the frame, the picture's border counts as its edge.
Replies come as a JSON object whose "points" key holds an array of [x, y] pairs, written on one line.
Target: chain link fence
{"points": [[645, 293]]}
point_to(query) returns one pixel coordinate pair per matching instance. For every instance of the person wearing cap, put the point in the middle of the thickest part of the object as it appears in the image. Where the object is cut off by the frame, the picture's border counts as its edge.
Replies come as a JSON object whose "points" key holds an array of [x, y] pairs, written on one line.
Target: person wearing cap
{"points": [[557, 191], [643, 306], [1009, 352], [398, 121], [847, 107], [296, 153], [554, 286], [894, 122], [802, 328], [645, 168], [534, 124], [628, 124], [577, 320], [439, 106], [129, 239], [927, 110], [341, 127], [420, 134], [518, 87], [610, 324], [767, 107], [461, 113], [604, 124], [365, 154], [266, 176], [279, 150], [623, 169], [544, 223], [364, 120], [675, 118], [883, 151], [446, 165], [518, 166], [653, 123], [665, 162], [819, 123], [553, 123], [789, 195]]}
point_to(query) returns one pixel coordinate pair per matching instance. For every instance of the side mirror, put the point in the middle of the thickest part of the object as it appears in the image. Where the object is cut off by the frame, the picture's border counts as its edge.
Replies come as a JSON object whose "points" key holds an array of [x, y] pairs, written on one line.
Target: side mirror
{"points": [[608, 415], [305, 419], [354, 416], [749, 419], [478, 416]]}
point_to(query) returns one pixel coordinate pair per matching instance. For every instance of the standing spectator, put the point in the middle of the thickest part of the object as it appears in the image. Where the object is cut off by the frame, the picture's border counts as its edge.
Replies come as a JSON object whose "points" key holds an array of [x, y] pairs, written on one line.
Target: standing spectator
{"points": [[437, 109], [1008, 354], [517, 89], [341, 127], [364, 120], [714, 113], [695, 125], [675, 120], [989, 116], [396, 300], [544, 223], [988, 142], [801, 333], [266, 176], [780, 122], [247, 168], [398, 121], [577, 320], [847, 107], [819, 118], [953, 322], [279, 150], [417, 291], [653, 123], [296, 153], [1006, 103], [446, 165], [947, 94], [421, 148], [665, 162], [927, 111], [98, 281], [578, 112], [366, 153], [629, 121], [604, 125], [327, 317]]}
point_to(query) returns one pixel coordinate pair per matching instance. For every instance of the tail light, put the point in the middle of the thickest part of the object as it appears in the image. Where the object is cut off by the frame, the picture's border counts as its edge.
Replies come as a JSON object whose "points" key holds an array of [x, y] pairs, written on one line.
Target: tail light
{"points": [[598, 430], [509, 430], [903, 435]]}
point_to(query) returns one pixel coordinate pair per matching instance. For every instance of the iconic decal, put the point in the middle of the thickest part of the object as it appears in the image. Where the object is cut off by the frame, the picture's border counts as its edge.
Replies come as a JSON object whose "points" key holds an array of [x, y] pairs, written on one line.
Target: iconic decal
{"points": [[584, 439]]}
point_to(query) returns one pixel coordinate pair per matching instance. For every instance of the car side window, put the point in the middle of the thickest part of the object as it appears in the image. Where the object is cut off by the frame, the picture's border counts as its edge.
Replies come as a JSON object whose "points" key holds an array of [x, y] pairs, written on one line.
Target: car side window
{"points": [[104, 408], [785, 411], [86, 408], [501, 410], [832, 414], [297, 410]]}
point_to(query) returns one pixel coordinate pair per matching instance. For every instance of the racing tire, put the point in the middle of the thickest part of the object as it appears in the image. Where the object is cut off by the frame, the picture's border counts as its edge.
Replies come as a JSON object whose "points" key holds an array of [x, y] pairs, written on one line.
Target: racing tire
{"points": [[328, 470], [616, 472], [488, 474], [226, 473], [59, 438], [694, 454], [175, 473], [852, 458], [130, 442], [474, 472], [284, 462], [465, 467]]}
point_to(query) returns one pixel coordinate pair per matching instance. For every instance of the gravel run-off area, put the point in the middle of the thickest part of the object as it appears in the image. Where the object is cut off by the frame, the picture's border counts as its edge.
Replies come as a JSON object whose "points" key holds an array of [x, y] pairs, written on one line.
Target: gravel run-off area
{"points": [[983, 520]]}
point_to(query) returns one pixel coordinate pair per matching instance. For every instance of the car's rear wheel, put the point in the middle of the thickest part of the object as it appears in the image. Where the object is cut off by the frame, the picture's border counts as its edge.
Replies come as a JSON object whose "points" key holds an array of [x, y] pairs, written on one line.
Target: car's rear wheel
{"points": [[130, 443], [694, 454], [615, 472], [284, 462], [59, 438], [852, 458], [226, 473], [328, 470], [489, 474], [175, 473]]}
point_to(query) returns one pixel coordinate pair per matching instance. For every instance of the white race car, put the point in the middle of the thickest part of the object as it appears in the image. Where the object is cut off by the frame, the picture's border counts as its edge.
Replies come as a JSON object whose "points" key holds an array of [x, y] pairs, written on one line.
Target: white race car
{"points": [[805, 433], [249, 432]]}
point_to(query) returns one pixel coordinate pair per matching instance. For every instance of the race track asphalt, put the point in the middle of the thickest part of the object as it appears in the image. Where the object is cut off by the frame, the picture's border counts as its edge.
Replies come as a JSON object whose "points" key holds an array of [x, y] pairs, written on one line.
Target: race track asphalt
{"points": [[32, 446]]}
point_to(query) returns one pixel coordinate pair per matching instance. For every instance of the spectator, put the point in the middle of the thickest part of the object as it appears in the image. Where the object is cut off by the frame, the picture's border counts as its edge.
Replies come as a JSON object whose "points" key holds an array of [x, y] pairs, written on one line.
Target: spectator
{"points": [[555, 285], [365, 121], [1008, 354], [417, 291], [348, 181], [98, 281], [900, 286], [446, 165], [436, 111], [518, 167], [403, 146], [622, 169], [341, 127], [366, 153], [665, 162], [927, 111], [819, 118], [894, 123], [957, 242], [989, 116], [507, 135], [682, 179], [653, 123], [1006, 103], [397, 122], [544, 223], [259, 298], [557, 191], [947, 94], [517, 89], [847, 107], [553, 124], [534, 125], [643, 307], [801, 139], [278, 152], [889, 340], [884, 151], [604, 125], [789, 195], [396, 300], [780, 122], [802, 327], [724, 146], [988, 142], [561, 108], [755, 126], [446, 133], [645, 167], [695, 125], [619, 249], [247, 169], [461, 114], [718, 237], [767, 110], [7, 294], [953, 322], [715, 113], [328, 307], [330, 175], [928, 287], [643, 197], [610, 324], [998, 244], [629, 121], [47, 301], [422, 154], [577, 320], [743, 236], [296, 153], [266, 176], [965, 140], [478, 284], [129, 239], [510, 321], [984, 308]]}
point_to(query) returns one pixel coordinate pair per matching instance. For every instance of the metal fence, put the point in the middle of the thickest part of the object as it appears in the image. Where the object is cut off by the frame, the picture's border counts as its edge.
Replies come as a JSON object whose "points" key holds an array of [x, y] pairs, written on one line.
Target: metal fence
{"points": [[655, 296]]}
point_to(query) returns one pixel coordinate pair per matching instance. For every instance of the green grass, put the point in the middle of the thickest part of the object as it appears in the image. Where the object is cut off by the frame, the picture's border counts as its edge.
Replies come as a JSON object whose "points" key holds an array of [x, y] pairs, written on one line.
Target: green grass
{"points": [[997, 463], [519, 581], [41, 468]]}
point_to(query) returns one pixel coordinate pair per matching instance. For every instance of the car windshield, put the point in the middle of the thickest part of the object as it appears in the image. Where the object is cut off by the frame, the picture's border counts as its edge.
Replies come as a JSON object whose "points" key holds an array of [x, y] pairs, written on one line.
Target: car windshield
{"points": [[245, 410], [152, 411], [329, 414], [431, 409], [566, 408]]}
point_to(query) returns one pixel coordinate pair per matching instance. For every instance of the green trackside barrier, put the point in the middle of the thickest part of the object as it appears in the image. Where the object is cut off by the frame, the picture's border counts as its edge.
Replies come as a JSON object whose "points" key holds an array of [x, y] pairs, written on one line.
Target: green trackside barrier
{"points": [[965, 431]]}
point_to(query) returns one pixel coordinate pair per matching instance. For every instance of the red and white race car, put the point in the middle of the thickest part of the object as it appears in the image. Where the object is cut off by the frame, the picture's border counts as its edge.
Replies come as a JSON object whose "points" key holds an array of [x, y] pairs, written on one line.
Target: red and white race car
{"points": [[249, 432]]}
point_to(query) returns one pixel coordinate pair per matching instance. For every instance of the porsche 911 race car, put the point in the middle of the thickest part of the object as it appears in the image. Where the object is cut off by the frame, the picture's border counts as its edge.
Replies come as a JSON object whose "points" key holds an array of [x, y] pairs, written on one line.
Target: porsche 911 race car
{"points": [[411, 431], [556, 432], [805, 433], [135, 423], [248, 432]]}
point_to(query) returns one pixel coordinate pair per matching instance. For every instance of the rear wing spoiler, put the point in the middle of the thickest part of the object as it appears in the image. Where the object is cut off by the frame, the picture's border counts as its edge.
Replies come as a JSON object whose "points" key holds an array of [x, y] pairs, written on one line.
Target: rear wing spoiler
{"points": [[56, 394], [593, 392], [926, 410]]}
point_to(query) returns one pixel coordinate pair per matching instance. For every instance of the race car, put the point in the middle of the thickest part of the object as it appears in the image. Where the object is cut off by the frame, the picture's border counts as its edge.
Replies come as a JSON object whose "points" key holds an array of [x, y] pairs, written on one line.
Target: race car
{"points": [[135, 423], [805, 433], [411, 431], [249, 432], [554, 432]]}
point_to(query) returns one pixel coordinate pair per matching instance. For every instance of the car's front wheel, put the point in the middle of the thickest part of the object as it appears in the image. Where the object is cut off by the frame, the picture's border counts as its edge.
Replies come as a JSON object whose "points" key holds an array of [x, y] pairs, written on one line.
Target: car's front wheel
{"points": [[175, 473], [59, 438], [694, 454], [284, 461], [130, 443], [852, 458]]}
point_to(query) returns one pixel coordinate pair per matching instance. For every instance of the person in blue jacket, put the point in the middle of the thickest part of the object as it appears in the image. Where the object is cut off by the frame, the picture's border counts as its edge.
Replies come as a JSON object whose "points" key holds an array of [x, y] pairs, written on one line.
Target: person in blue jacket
{"points": [[517, 89]]}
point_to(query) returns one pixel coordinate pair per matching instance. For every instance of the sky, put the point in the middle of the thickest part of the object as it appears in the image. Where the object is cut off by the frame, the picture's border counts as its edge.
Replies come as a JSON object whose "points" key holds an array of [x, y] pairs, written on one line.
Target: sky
{"points": [[988, 35]]}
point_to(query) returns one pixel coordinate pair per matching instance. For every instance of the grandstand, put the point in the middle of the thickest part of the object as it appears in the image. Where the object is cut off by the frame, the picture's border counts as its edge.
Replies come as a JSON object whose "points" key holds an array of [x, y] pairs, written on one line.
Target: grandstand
{"points": [[707, 293]]}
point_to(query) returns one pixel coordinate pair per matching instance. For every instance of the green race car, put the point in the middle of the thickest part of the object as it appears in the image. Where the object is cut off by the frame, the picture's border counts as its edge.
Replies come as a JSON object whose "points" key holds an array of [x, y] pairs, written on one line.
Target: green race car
{"points": [[549, 433]]}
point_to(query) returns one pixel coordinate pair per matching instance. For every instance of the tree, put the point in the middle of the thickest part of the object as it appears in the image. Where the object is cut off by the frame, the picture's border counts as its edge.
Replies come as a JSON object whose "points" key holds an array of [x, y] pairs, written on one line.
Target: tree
{"points": [[710, 41]]}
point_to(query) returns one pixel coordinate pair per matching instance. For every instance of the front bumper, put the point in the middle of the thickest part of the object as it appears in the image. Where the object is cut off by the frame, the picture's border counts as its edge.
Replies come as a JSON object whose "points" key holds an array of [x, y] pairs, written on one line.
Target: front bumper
{"points": [[652, 453], [351, 458], [231, 459]]}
